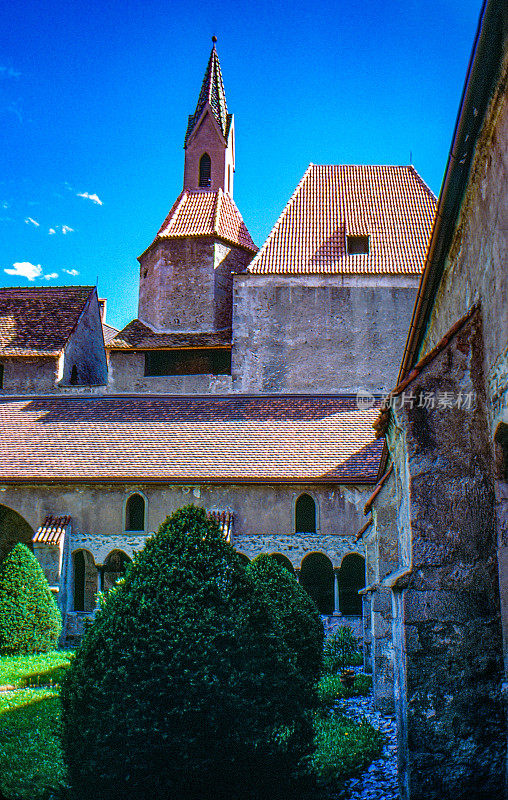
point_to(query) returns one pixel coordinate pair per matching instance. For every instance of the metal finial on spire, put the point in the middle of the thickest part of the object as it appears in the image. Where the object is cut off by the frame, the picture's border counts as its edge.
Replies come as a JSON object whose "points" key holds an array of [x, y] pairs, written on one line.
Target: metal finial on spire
{"points": [[214, 40]]}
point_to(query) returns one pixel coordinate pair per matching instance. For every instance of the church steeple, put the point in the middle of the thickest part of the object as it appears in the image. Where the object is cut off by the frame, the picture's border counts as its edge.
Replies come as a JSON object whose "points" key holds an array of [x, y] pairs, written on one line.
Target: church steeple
{"points": [[209, 139]]}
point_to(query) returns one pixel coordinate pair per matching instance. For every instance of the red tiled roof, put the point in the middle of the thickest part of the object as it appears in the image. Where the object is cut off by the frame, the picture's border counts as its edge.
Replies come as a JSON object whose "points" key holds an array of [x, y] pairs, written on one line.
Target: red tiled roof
{"points": [[188, 439], [391, 204], [38, 321], [51, 530], [138, 336], [206, 213]]}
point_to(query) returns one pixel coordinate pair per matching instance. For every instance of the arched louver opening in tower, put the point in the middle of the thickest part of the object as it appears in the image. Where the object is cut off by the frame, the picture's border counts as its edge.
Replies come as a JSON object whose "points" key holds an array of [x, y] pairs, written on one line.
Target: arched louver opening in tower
{"points": [[135, 513], [305, 514], [205, 171], [351, 580]]}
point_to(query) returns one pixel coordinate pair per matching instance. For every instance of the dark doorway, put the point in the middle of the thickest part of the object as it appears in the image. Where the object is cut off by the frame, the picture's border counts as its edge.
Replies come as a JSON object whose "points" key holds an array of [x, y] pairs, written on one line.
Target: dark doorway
{"points": [[316, 577]]}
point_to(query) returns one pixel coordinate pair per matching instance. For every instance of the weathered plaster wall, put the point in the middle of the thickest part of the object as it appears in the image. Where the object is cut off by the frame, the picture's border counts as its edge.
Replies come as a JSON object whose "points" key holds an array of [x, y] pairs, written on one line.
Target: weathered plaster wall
{"points": [[381, 541], [319, 333], [85, 348], [127, 374], [29, 374], [186, 285], [447, 630], [263, 514]]}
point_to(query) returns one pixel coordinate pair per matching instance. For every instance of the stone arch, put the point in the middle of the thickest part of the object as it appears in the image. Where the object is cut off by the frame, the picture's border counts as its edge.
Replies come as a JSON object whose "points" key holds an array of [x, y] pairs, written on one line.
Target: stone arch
{"points": [[351, 580], [284, 562], [205, 171], [243, 558], [115, 566], [316, 577], [135, 512], [85, 580], [305, 514], [13, 529]]}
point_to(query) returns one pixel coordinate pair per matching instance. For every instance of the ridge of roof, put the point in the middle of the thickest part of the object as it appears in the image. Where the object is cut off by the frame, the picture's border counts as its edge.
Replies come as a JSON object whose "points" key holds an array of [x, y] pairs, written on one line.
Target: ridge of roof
{"points": [[212, 93], [390, 202]]}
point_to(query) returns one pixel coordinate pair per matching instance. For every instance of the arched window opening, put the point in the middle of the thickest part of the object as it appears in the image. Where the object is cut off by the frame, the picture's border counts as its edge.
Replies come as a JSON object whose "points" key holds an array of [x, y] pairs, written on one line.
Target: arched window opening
{"points": [[135, 513], [305, 514], [114, 568], [316, 577], [351, 580], [284, 562], [205, 171], [13, 529], [244, 559], [74, 375], [85, 581]]}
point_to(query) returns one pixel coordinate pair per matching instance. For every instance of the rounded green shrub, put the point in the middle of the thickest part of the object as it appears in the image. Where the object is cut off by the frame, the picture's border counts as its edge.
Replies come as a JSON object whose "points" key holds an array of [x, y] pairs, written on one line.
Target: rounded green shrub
{"points": [[30, 621], [300, 625], [341, 651], [182, 687]]}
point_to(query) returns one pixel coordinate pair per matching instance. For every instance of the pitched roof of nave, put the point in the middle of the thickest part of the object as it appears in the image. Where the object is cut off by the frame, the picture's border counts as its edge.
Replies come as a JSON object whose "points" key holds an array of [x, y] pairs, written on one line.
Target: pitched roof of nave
{"points": [[38, 321], [203, 213], [390, 204], [232, 438], [138, 336], [212, 92]]}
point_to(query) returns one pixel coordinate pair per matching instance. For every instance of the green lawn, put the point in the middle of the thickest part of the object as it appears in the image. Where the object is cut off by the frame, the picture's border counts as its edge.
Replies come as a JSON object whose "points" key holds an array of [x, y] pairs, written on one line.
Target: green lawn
{"points": [[31, 765], [34, 670]]}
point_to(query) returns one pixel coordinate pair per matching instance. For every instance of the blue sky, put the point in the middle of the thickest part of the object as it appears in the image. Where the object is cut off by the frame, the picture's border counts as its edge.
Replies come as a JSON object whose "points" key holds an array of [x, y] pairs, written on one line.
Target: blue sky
{"points": [[94, 99]]}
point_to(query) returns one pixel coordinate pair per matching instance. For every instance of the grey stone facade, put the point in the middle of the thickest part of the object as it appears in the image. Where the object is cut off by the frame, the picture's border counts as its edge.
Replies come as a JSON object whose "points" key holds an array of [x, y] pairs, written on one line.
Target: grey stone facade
{"points": [[319, 333]]}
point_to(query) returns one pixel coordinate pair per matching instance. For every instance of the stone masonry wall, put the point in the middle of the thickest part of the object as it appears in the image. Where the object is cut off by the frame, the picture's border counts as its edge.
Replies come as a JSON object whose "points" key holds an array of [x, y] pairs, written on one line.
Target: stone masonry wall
{"points": [[381, 541], [186, 284], [319, 333], [29, 374], [447, 630], [127, 374]]}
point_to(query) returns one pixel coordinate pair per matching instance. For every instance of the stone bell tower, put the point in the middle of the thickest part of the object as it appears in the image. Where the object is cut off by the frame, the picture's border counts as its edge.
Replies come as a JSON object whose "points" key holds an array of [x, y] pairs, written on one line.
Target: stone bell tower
{"points": [[186, 273]]}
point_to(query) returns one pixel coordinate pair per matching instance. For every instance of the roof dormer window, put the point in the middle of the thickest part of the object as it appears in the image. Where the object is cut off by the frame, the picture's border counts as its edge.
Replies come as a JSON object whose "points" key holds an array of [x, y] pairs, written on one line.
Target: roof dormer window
{"points": [[357, 245]]}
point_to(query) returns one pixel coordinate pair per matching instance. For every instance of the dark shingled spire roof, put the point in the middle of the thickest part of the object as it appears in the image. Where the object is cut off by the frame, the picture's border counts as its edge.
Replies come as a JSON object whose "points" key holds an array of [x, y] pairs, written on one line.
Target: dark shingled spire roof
{"points": [[212, 91]]}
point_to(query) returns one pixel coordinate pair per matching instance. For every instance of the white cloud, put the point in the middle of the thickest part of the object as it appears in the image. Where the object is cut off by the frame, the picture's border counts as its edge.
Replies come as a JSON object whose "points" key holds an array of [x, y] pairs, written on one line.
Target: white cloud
{"points": [[51, 231], [10, 72], [93, 197], [72, 272], [51, 275], [25, 270], [66, 229], [31, 221], [5, 205]]}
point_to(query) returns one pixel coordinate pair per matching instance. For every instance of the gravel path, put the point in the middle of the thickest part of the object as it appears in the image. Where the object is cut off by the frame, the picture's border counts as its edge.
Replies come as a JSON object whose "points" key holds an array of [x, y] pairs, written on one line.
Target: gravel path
{"points": [[379, 781]]}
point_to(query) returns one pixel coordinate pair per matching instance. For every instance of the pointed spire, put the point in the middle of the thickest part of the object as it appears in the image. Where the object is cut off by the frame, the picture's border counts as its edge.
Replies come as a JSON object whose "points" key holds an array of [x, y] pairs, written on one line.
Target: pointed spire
{"points": [[212, 92]]}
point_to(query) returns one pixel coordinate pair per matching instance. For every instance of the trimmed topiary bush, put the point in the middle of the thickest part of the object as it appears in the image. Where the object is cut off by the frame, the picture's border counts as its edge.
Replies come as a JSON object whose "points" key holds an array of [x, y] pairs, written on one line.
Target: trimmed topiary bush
{"points": [[341, 651], [183, 687], [30, 621], [300, 625]]}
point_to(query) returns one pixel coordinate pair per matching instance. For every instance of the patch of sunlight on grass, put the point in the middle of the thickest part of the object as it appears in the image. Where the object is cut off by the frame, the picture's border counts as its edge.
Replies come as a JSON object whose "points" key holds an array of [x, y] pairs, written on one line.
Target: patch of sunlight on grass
{"points": [[31, 764]]}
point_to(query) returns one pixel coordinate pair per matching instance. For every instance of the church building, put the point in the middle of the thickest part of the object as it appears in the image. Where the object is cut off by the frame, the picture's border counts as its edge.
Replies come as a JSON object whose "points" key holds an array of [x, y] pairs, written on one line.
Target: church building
{"points": [[248, 384]]}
